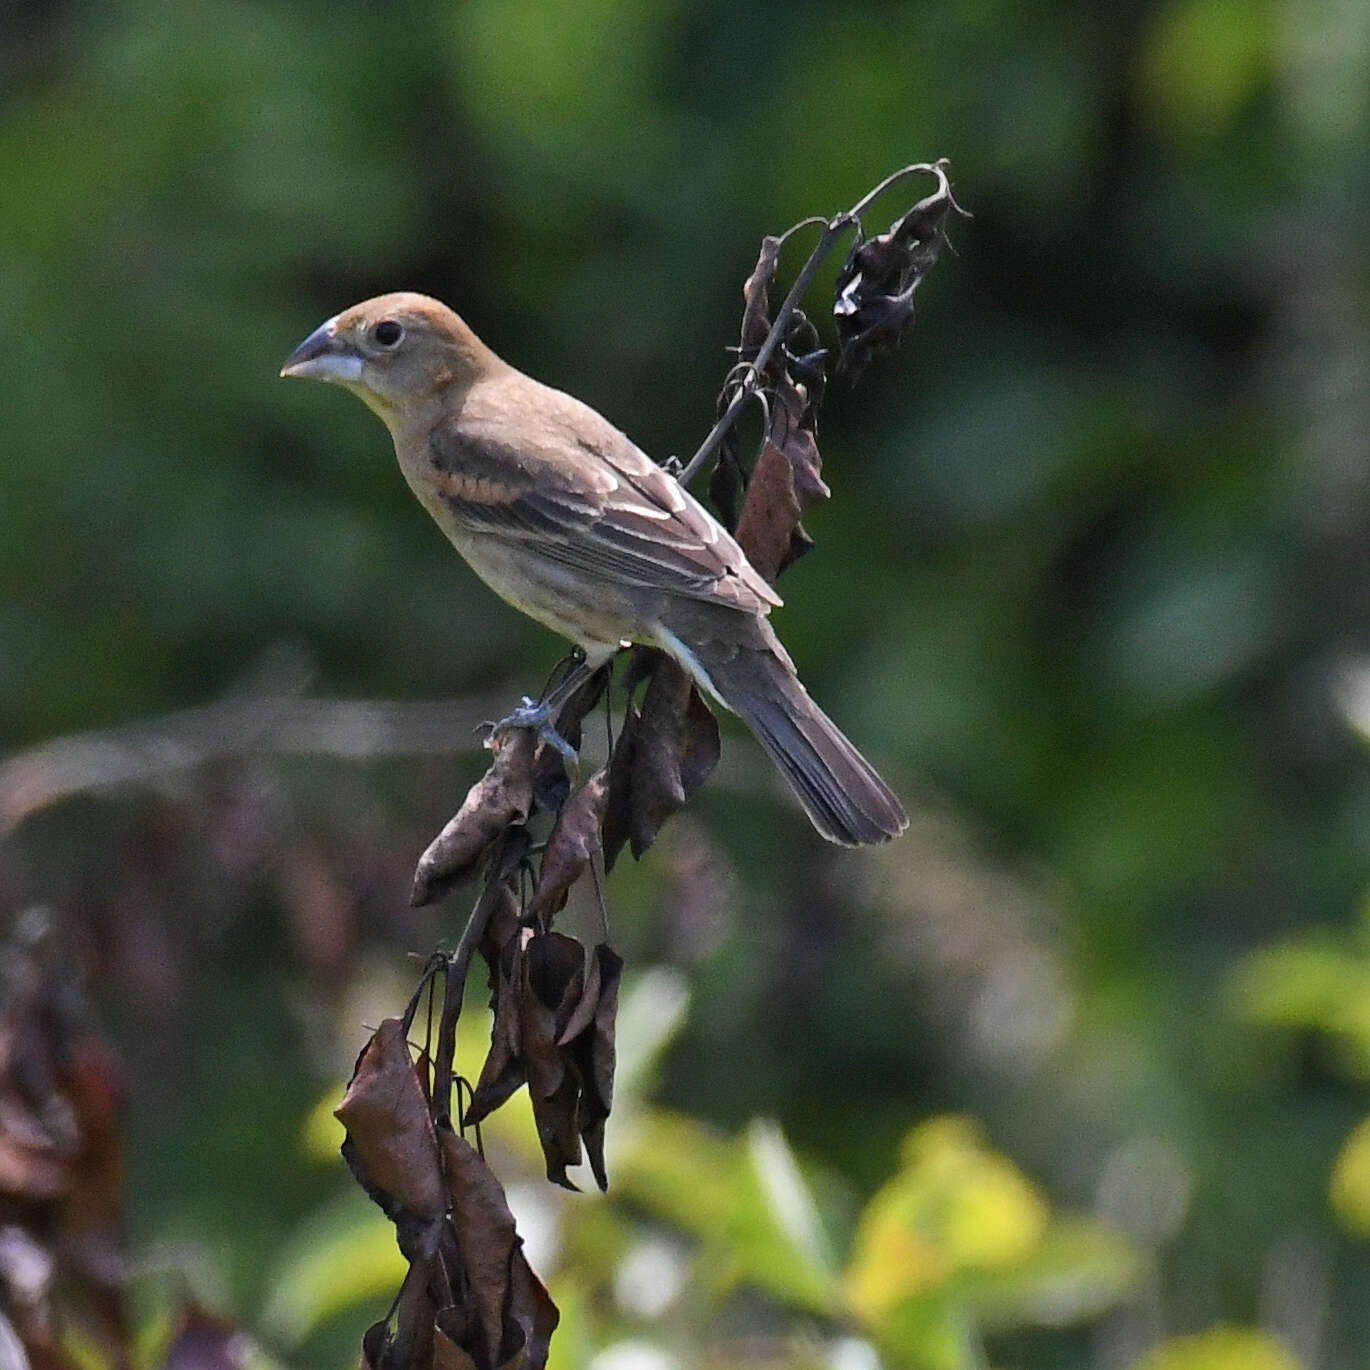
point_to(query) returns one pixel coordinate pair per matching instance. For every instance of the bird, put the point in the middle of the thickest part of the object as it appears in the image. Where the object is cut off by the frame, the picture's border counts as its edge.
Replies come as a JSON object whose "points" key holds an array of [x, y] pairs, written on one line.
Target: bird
{"points": [[565, 518]]}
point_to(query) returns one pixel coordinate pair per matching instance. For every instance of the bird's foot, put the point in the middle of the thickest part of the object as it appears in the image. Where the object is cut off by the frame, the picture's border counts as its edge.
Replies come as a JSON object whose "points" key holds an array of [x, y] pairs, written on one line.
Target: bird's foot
{"points": [[538, 717]]}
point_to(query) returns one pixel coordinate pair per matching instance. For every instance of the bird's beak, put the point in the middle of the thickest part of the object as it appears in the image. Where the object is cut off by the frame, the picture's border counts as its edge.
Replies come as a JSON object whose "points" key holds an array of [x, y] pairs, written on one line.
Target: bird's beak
{"points": [[324, 356]]}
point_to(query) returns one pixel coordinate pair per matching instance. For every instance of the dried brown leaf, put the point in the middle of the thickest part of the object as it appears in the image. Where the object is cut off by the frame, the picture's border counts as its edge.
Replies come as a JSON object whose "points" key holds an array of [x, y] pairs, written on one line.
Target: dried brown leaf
{"points": [[770, 514], [409, 1344], [564, 1047], [675, 750], [503, 1071], [540, 985], [518, 1355], [700, 744], [557, 1116], [501, 797], [501, 925], [389, 1131], [784, 484], [497, 947], [553, 977], [794, 430], [375, 1343], [596, 1051], [571, 846], [583, 1014], [606, 1015], [448, 1352], [554, 971], [485, 1235], [543, 990], [726, 482], [531, 1309], [618, 814], [756, 309], [876, 285], [663, 754], [204, 1341], [786, 480], [506, 1317]]}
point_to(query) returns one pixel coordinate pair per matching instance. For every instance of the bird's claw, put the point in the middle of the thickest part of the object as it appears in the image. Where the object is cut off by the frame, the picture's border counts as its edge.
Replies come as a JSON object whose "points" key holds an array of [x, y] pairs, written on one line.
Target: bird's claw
{"points": [[538, 717]]}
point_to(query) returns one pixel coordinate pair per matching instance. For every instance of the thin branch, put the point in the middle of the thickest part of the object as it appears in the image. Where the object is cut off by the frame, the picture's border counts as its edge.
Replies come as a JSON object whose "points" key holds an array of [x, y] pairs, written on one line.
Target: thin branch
{"points": [[938, 169], [454, 990], [42, 776], [832, 230]]}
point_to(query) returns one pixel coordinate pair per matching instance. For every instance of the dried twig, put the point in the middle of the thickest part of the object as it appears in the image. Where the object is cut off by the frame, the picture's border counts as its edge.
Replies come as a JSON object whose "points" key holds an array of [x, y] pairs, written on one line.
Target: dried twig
{"points": [[152, 749]]}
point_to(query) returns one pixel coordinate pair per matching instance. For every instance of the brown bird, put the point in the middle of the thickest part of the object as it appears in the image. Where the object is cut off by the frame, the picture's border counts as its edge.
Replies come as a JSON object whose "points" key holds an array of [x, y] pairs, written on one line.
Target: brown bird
{"points": [[564, 517]]}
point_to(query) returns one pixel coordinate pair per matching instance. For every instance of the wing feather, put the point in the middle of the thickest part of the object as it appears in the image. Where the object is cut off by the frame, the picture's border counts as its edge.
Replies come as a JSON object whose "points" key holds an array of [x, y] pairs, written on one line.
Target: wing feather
{"points": [[579, 492]]}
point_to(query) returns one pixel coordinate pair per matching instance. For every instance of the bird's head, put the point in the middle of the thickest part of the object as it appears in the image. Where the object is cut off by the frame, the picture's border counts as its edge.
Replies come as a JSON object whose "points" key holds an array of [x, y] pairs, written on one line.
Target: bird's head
{"points": [[393, 351]]}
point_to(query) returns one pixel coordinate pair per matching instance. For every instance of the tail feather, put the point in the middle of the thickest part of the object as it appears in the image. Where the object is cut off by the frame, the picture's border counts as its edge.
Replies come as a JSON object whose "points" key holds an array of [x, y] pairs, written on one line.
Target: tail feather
{"points": [[840, 791]]}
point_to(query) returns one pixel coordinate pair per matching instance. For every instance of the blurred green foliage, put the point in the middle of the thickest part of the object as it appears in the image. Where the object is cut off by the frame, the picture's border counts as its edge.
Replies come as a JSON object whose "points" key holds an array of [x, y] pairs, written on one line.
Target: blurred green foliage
{"points": [[1319, 983], [1223, 1348], [1097, 547]]}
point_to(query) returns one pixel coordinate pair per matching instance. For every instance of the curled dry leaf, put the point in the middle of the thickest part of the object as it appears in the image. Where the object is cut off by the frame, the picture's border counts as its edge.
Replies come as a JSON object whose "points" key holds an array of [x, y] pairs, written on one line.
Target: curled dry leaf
{"points": [[503, 1071], [513, 1313], [409, 1344], [618, 815], [554, 980], [664, 753], [541, 979], [769, 530], [486, 1238], [391, 1146], [375, 1344], [785, 480], [469, 1298], [501, 926], [553, 1029], [756, 305], [449, 1327], [876, 284], [574, 839], [726, 481], [501, 797], [594, 1050]]}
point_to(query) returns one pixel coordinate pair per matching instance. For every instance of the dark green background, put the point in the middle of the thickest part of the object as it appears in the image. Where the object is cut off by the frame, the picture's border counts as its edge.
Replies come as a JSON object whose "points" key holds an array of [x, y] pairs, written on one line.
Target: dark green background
{"points": [[1097, 548]]}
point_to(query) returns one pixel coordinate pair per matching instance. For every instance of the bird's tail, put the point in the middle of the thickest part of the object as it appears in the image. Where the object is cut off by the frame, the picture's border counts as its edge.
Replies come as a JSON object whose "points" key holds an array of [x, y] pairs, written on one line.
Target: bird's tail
{"points": [[840, 791]]}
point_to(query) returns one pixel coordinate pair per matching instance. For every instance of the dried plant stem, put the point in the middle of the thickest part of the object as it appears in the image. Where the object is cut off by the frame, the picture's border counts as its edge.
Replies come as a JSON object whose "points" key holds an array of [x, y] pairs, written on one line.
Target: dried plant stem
{"points": [[833, 229], [454, 990]]}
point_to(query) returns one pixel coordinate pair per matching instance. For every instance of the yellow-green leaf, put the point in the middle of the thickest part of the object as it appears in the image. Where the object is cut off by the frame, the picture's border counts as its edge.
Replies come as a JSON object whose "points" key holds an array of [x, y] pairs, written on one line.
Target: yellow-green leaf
{"points": [[1350, 1190], [954, 1205], [1220, 1348], [1204, 60], [344, 1255]]}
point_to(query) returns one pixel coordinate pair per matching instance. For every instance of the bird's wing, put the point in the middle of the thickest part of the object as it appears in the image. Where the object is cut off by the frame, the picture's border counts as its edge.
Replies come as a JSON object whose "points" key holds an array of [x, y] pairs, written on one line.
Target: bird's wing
{"points": [[527, 462]]}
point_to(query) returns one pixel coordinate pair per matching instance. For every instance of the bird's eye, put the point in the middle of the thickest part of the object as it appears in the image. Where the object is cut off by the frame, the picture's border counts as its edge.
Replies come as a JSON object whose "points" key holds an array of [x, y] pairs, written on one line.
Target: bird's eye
{"points": [[387, 333]]}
